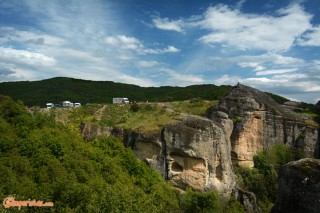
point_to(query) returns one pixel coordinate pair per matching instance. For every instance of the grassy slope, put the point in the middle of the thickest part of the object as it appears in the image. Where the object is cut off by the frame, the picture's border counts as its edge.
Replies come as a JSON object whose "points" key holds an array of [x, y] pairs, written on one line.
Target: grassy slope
{"points": [[148, 117]]}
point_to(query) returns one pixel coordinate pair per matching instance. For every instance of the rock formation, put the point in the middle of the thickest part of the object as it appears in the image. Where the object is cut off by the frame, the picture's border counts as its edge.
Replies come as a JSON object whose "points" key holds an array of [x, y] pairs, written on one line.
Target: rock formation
{"points": [[90, 131], [299, 186], [197, 152], [191, 153], [198, 155], [260, 122], [247, 199]]}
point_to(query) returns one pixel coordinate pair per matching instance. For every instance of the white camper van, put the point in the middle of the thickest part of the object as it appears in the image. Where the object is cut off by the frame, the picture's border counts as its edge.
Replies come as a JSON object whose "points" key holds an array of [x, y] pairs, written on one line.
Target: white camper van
{"points": [[67, 104], [120, 100], [77, 104], [50, 105]]}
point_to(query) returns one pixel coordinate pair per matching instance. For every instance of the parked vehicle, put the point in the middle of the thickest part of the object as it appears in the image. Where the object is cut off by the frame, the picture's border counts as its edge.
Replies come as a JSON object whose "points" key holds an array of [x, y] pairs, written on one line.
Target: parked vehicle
{"points": [[67, 104], [50, 105], [120, 100]]}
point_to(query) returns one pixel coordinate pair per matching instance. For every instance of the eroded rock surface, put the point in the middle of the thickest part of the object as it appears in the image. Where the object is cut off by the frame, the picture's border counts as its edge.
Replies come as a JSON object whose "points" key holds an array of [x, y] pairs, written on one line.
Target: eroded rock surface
{"points": [[260, 122], [299, 186], [90, 131], [247, 199], [198, 155], [193, 152]]}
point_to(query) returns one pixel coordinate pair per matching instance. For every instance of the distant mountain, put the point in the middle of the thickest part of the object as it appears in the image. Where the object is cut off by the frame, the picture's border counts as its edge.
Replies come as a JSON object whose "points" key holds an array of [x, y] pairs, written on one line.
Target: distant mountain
{"points": [[59, 89]]}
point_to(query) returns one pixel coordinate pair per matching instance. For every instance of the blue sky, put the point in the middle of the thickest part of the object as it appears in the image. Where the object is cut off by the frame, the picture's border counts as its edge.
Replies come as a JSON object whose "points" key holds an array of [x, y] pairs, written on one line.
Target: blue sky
{"points": [[268, 44]]}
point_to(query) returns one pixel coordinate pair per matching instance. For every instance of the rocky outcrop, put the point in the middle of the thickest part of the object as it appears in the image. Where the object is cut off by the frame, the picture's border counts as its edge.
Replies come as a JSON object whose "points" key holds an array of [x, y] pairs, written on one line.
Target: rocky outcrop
{"points": [[260, 122], [90, 131], [198, 155], [299, 186], [149, 148], [247, 199], [193, 152]]}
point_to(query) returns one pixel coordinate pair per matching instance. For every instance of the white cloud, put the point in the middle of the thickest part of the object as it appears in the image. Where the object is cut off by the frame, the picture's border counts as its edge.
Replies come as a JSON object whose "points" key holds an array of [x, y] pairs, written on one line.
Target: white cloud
{"points": [[313, 89], [25, 57], [252, 31], [269, 58], [29, 37], [279, 71], [311, 38], [169, 49], [256, 66], [131, 43], [240, 4], [166, 24], [147, 64], [144, 82], [291, 77], [227, 80], [182, 79], [124, 42]]}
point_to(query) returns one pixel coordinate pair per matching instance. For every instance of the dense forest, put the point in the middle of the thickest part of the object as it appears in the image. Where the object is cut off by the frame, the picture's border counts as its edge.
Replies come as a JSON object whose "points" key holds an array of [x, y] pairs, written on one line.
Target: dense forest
{"points": [[60, 89]]}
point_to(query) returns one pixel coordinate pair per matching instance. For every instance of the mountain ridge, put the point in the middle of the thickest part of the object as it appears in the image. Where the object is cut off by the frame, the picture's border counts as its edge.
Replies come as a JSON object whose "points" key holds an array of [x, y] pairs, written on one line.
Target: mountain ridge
{"points": [[59, 89]]}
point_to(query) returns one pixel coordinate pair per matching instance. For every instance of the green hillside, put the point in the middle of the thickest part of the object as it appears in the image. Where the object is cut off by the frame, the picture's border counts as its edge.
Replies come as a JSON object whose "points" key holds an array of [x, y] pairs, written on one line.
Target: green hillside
{"points": [[59, 89], [44, 160]]}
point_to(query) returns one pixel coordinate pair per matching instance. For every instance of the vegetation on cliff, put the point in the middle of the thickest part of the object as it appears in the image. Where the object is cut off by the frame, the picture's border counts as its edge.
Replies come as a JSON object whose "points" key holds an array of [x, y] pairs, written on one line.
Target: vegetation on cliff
{"points": [[45, 160], [141, 117], [262, 180]]}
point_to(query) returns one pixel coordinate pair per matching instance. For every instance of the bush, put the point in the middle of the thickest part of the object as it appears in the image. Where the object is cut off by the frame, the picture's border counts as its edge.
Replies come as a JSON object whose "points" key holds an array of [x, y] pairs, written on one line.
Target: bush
{"points": [[262, 180], [194, 202], [134, 107]]}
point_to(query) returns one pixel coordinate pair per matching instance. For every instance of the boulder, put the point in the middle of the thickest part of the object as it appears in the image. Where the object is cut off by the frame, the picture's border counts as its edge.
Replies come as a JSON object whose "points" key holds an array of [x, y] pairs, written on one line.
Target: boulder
{"points": [[299, 187]]}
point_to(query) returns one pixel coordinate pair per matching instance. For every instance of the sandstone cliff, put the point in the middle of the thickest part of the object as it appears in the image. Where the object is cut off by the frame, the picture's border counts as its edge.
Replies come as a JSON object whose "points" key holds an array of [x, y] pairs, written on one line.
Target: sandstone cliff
{"points": [[198, 155], [260, 122], [299, 186], [193, 152], [197, 152]]}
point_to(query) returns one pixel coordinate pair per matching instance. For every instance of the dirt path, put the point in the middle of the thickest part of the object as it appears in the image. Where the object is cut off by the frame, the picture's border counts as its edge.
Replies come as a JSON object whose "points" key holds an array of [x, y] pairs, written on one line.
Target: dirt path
{"points": [[99, 113]]}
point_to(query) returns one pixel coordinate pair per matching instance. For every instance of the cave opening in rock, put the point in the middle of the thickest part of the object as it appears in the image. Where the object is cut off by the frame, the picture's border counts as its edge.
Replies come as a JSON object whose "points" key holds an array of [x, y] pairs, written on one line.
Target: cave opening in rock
{"points": [[176, 167]]}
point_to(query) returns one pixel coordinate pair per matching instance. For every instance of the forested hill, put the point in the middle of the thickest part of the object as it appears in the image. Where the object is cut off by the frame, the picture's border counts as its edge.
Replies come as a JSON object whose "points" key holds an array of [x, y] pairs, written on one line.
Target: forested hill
{"points": [[60, 88]]}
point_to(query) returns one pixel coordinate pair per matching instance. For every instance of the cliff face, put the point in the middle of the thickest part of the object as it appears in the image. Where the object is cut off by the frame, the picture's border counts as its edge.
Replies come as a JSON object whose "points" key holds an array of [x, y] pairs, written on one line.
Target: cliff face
{"points": [[198, 155], [299, 187], [198, 152], [193, 152], [260, 122]]}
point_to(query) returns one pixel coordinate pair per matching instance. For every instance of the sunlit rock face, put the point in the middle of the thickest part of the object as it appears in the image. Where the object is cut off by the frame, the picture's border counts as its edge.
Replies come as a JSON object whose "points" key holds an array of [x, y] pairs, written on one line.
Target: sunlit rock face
{"points": [[197, 154], [193, 152], [259, 123]]}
